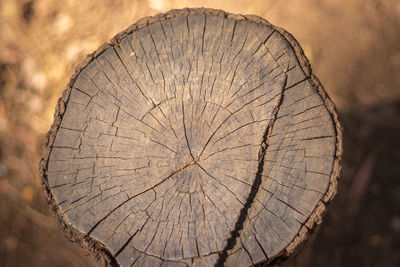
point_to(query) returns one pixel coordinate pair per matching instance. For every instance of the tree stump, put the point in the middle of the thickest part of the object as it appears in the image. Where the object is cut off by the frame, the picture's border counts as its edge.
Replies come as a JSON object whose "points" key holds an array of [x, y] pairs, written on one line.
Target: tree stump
{"points": [[195, 137]]}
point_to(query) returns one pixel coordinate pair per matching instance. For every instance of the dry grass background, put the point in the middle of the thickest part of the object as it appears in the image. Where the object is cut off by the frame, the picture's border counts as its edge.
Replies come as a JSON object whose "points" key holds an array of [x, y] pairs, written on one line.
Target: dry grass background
{"points": [[353, 46]]}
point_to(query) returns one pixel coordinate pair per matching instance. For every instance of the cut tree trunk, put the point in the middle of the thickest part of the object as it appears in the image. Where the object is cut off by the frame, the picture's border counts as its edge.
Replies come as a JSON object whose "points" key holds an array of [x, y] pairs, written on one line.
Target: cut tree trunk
{"points": [[195, 137]]}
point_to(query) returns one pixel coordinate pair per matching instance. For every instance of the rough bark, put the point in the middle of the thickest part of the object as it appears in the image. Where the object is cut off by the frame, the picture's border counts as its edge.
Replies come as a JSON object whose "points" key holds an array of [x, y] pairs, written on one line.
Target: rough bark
{"points": [[195, 137]]}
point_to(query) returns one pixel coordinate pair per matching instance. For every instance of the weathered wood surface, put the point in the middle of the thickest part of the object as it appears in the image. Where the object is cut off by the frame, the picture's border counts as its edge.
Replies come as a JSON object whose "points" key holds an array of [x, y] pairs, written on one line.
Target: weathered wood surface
{"points": [[195, 137]]}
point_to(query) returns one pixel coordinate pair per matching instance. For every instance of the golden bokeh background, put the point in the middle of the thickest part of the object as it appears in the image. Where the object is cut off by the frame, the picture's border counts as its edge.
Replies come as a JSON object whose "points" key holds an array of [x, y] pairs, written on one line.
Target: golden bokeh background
{"points": [[353, 47]]}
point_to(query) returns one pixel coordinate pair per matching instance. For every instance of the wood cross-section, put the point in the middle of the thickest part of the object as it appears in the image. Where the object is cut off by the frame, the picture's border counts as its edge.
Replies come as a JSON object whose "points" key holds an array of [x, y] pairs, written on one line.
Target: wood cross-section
{"points": [[195, 137]]}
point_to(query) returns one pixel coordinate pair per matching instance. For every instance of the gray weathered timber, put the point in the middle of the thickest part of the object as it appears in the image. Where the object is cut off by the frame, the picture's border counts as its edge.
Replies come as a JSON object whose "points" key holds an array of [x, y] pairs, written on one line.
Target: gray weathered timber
{"points": [[194, 137]]}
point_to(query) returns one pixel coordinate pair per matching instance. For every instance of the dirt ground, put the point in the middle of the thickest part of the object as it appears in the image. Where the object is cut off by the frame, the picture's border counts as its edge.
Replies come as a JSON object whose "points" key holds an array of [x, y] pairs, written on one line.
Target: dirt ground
{"points": [[353, 46]]}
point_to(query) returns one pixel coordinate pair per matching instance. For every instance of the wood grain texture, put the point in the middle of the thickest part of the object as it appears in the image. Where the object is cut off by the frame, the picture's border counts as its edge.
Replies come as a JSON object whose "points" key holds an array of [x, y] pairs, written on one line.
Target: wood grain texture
{"points": [[195, 137]]}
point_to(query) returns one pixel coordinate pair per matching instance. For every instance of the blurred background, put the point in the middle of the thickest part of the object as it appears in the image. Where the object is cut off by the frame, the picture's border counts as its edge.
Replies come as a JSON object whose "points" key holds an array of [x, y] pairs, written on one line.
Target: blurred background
{"points": [[353, 46]]}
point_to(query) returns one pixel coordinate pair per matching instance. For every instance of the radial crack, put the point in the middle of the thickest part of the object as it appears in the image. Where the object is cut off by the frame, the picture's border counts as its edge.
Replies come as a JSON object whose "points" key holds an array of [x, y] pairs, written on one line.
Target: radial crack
{"points": [[235, 234]]}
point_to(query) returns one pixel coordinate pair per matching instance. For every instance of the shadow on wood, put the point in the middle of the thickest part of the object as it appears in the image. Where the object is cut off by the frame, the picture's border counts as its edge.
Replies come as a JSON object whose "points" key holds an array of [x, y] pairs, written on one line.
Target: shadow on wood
{"points": [[362, 224]]}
